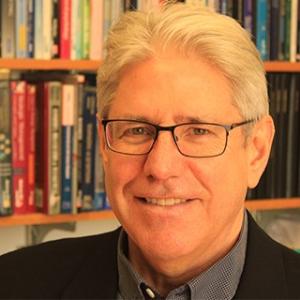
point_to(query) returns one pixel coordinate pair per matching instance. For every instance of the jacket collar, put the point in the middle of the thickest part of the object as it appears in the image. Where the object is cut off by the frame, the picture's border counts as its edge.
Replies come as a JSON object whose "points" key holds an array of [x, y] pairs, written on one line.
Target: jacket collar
{"points": [[263, 276]]}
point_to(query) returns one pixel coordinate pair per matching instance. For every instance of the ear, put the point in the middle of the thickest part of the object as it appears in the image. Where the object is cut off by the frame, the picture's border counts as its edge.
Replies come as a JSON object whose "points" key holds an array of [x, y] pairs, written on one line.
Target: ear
{"points": [[258, 149], [102, 142]]}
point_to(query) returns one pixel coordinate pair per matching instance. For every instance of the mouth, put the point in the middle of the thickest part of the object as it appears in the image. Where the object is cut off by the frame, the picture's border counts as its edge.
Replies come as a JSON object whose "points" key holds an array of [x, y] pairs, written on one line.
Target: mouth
{"points": [[164, 201]]}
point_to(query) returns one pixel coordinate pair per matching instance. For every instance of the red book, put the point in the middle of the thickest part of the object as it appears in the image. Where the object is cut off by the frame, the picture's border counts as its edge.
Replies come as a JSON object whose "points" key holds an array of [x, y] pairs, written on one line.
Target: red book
{"points": [[30, 146], [65, 29], [19, 135]]}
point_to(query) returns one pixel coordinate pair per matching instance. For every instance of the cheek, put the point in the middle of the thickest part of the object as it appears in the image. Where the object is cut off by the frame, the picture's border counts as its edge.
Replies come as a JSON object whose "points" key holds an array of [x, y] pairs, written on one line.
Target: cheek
{"points": [[120, 170]]}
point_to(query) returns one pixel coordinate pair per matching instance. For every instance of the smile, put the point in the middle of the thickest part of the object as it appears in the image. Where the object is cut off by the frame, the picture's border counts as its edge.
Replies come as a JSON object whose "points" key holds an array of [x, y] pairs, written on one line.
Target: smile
{"points": [[165, 201]]}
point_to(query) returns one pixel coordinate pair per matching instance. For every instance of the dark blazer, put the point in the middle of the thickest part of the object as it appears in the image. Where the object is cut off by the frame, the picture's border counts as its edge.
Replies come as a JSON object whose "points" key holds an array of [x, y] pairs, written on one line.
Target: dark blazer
{"points": [[86, 268]]}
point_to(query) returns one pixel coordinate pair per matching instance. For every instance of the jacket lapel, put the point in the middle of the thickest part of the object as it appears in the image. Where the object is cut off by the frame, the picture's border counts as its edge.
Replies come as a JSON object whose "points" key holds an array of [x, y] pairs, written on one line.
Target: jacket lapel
{"points": [[97, 277], [263, 276]]}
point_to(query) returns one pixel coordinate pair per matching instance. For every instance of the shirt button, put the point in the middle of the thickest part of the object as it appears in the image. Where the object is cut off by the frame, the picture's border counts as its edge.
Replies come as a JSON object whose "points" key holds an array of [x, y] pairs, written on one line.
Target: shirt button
{"points": [[150, 293]]}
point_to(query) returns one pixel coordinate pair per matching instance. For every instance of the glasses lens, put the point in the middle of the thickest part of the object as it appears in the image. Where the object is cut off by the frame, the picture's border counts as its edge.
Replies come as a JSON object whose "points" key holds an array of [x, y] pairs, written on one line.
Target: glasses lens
{"points": [[130, 137], [201, 140]]}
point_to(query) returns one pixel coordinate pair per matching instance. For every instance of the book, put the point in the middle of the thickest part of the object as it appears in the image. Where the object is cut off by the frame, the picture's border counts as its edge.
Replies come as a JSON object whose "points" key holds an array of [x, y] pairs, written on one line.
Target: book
{"points": [[55, 29], [261, 28], [18, 102], [46, 29], [88, 147], [21, 28], [67, 131], [65, 29], [5, 150], [248, 16], [8, 29], [96, 36], [38, 33], [86, 15], [293, 30], [30, 117], [274, 29], [30, 28], [48, 150]]}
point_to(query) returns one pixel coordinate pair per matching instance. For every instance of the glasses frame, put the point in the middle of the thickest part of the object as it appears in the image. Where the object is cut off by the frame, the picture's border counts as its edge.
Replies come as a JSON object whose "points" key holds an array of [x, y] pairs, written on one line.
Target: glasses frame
{"points": [[172, 128]]}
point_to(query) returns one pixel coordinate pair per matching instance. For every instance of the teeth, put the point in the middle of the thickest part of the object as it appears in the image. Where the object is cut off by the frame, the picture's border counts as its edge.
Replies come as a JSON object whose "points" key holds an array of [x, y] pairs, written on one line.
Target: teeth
{"points": [[165, 201]]}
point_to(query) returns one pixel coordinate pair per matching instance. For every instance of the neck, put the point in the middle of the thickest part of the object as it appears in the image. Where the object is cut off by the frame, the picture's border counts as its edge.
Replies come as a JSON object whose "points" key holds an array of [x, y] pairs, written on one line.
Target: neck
{"points": [[164, 274]]}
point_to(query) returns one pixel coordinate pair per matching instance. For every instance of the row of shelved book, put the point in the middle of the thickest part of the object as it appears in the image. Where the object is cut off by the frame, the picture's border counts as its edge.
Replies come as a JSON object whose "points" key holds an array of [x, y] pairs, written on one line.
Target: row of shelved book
{"points": [[66, 29], [76, 29], [274, 25], [49, 157], [282, 176]]}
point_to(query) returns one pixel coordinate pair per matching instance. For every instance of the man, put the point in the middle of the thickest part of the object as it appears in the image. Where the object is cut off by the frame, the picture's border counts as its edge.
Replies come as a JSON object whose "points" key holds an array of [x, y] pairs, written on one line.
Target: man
{"points": [[184, 131]]}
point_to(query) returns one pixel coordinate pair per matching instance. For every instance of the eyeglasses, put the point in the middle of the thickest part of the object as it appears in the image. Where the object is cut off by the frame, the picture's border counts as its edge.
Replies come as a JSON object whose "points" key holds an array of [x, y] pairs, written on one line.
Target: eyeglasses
{"points": [[196, 140]]}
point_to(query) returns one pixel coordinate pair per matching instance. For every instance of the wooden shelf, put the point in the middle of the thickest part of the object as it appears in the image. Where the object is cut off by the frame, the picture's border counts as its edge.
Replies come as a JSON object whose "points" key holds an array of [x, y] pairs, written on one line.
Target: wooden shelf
{"points": [[54, 64], [39, 218], [282, 66], [92, 65]]}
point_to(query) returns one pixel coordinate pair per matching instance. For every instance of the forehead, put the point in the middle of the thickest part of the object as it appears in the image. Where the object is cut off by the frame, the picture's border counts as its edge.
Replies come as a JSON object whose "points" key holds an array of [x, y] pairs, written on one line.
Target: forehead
{"points": [[174, 89]]}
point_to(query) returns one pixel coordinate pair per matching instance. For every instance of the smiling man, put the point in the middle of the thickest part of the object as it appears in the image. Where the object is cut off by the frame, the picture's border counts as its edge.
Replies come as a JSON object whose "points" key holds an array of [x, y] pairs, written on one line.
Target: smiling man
{"points": [[184, 131]]}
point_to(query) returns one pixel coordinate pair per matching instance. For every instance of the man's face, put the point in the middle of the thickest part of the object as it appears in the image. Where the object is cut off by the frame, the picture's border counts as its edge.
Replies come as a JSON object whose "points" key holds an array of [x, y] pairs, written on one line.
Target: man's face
{"points": [[168, 91]]}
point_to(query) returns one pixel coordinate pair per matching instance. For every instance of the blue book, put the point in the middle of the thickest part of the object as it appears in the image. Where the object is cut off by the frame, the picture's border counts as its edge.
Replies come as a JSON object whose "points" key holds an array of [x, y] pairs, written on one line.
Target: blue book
{"points": [[67, 129], [88, 148], [261, 28], [99, 196]]}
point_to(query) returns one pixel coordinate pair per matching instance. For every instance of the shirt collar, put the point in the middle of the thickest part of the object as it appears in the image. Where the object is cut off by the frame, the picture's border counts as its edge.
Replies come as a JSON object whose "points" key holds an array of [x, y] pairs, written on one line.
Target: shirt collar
{"points": [[220, 281]]}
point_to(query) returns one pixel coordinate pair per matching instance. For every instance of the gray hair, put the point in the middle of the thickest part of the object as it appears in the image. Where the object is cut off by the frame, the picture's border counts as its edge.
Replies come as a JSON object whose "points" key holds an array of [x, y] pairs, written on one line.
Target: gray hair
{"points": [[217, 38]]}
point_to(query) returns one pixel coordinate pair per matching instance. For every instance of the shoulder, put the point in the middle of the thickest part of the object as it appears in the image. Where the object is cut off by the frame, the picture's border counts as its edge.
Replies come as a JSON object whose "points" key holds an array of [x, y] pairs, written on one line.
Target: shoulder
{"points": [[51, 265]]}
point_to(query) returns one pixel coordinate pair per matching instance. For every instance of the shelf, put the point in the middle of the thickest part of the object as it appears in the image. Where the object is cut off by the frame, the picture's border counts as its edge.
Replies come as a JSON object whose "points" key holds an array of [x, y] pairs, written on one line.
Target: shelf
{"points": [[54, 64], [92, 65], [282, 66], [39, 218]]}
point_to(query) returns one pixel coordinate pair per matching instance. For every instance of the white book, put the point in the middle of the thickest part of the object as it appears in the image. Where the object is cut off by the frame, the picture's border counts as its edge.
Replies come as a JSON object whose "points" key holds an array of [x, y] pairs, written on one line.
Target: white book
{"points": [[47, 29], [294, 26], [96, 33]]}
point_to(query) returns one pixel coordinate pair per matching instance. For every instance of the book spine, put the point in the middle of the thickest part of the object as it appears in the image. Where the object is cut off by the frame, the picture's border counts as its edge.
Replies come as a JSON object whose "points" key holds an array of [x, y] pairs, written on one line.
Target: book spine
{"points": [[5, 150], [274, 30], [55, 103], [74, 28], [65, 29], [68, 104], [287, 34], [261, 28], [21, 28], [99, 197], [46, 29], [293, 30], [8, 29], [248, 16], [30, 141], [30, 28], [86, 29], [88, 153], [20, 189], [96, 37], [55, 30], [38, 33]]}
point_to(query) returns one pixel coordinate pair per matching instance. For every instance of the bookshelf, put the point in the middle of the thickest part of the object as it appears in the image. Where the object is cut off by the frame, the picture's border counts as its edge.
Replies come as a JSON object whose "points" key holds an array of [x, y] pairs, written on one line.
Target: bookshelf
{"points": [[92, 66]]}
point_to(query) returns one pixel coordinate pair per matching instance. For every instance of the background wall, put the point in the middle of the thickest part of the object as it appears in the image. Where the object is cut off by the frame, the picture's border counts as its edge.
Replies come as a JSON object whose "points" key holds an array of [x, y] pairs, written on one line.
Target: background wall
{"points": [[15, 237]]}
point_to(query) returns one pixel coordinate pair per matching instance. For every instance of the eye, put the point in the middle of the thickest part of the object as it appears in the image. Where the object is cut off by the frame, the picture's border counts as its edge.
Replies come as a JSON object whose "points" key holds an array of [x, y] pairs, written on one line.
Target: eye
{"points": [[199, 131], [137, 131]]}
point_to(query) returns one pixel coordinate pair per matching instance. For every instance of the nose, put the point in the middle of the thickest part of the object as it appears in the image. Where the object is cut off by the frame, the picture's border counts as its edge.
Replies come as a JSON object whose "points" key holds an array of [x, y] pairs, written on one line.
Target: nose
{"points": [[164, 160]]}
